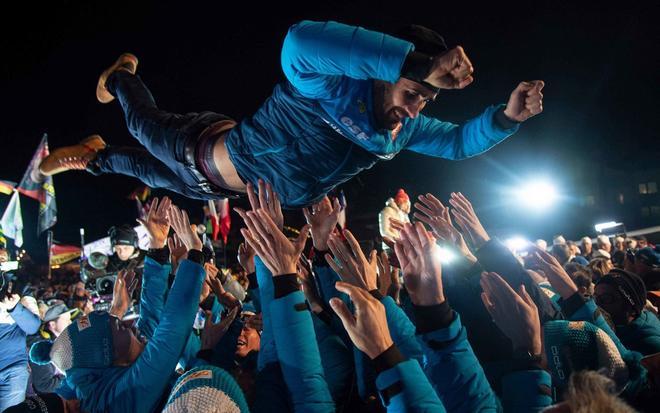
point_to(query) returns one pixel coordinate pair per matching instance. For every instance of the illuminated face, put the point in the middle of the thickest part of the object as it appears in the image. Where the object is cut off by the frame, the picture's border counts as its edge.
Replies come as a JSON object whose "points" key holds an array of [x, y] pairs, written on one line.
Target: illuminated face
{"points": [[393, 102], [124, 252], [248, 341], [59, 324]]}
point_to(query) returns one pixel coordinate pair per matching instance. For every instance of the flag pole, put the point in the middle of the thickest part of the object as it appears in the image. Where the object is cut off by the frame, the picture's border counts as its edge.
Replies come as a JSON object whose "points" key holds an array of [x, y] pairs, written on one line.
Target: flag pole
{"points": [[50, 252]]}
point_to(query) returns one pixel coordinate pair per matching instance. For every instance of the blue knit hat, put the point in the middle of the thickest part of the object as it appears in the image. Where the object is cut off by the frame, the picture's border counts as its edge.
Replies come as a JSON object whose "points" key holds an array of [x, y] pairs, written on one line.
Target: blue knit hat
{"points": [[86, 343], [206, 389], [572, 346]]}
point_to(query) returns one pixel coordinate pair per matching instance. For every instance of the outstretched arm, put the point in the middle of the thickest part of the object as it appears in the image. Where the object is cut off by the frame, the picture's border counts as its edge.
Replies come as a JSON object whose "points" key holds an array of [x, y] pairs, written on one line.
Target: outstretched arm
{"points": [[451, 141], [316, 54]]}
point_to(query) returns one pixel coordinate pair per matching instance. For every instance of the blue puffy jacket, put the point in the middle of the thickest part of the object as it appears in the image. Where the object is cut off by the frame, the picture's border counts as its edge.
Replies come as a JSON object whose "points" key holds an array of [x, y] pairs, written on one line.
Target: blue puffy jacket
{"points": [[316, 130], [139, 388]]}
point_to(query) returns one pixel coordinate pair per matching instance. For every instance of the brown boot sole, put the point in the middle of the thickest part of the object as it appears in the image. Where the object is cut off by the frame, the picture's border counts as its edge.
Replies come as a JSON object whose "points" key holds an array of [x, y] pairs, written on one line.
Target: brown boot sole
{"points": [[88, 147], [126, 61]]}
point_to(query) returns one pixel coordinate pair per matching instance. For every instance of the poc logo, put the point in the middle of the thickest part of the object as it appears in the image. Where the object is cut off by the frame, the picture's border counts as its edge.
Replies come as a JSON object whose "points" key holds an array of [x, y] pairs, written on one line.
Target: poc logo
{"points": [[348, 122], [557, 362]]}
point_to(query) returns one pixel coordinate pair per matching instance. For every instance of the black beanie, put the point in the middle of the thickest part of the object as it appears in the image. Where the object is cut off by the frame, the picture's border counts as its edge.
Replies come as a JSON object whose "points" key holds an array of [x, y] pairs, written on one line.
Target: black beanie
{"points": [[630, 286], [123, 235], [425, 40]]}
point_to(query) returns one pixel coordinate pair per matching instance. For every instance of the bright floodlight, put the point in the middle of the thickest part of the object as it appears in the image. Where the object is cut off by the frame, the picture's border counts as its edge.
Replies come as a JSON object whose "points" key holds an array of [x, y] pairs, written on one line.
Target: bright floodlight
{"points": [[516, 243], [537, 195], [445, 255], [606, 225]]}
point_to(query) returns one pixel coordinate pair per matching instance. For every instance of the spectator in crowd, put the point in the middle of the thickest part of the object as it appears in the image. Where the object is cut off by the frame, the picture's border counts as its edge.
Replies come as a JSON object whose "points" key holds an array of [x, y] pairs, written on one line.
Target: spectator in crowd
{"points": [[46, 378], [642, 242], [541, 243], [623, 295], [646, 264], [586, 248], [603, 243], [19, 317]]}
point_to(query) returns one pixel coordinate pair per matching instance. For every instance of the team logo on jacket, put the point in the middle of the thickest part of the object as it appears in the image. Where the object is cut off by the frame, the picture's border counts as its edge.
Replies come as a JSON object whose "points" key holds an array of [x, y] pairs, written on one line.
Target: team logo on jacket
{"points": [[355, 129]]}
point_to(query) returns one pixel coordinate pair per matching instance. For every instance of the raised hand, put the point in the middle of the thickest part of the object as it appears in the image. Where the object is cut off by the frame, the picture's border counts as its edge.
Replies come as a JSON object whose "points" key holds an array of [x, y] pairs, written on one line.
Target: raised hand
{"points": [[268, 200], [181, 225], [367, 328], [308, 285], [513, 312], [125, 284], [157, 223], [353, 266], [388, 277], [178, 251], [559, 279], [10, 301], [225, 298], [396, 224], [433, 213], [420, 264], [246, 257], [525, 101], [278, 253], [213, 332], [467, 220], [451, 70], [323, 218]]}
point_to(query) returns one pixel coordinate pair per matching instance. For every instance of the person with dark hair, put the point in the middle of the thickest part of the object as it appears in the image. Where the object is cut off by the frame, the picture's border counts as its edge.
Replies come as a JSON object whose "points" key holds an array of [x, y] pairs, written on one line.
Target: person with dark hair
{"points": [[45, 378], [351, 98], [19, 317], [623, 295], [126, 251], [646, 264]]}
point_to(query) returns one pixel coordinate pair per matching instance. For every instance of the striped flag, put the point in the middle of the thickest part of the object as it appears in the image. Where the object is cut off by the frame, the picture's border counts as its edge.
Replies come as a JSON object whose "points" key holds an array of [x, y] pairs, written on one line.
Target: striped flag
{"points": [[12, 221], [39, 187], [7, 187]]}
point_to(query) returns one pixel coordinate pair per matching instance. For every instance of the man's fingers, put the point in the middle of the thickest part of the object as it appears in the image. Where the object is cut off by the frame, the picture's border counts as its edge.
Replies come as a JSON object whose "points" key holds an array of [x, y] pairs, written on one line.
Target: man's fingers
{"points": [[302, 237], [522, 292], [465, 82], [401, 255], [263, 197], [252, 197], [342, 311], [424, 209], [354, 244], [308, 215]]}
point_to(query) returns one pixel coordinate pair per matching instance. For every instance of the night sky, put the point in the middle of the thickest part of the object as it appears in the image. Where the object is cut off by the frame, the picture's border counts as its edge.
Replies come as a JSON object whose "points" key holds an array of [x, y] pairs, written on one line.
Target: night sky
{"points": [[599, 65]]}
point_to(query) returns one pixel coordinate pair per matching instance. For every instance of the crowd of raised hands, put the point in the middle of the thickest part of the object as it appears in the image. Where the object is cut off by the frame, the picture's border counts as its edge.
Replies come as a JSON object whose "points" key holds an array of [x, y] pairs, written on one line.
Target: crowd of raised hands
{"points": [[412, 265], [330, 327]]}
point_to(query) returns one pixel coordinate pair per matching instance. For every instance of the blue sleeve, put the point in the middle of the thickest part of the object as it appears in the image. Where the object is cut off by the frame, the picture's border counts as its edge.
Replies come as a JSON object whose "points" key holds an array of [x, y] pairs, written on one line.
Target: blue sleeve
{"points": [[337, 359], [590, 312], [316, 54], [25, 319], [267, 352], [298, 354], [416, 394], [403, 335], [326, 278], [152, 298], [526, 391], [402, 330], [454, 370], [149, 376], [450, 141]]}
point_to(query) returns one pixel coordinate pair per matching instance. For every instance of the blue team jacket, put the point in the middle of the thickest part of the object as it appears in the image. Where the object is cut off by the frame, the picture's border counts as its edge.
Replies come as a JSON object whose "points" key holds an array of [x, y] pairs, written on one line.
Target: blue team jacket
{"points": [[139, 388], [316, 130]]}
